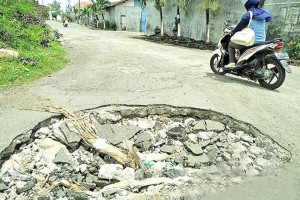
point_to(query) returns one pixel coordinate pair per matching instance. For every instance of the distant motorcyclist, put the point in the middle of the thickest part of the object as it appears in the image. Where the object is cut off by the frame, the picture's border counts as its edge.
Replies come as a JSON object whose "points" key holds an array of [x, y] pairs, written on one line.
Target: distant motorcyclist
{"points": [[258, 25], [65, 22]]}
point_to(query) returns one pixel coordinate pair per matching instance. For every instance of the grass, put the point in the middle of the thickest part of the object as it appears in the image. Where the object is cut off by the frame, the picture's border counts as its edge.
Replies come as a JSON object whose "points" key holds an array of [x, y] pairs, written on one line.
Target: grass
{"points": [[48, 60]]}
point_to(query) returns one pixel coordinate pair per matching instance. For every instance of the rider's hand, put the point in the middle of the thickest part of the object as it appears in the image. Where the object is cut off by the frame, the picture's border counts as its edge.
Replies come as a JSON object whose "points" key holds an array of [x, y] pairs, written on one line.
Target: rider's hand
{"points": [[227, 31]]}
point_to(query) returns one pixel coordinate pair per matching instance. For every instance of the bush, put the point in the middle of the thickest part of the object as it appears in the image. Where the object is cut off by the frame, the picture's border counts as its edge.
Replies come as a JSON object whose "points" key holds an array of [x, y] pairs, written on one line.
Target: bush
{"points": [[157, 30], [294, 49], [113, 25]]}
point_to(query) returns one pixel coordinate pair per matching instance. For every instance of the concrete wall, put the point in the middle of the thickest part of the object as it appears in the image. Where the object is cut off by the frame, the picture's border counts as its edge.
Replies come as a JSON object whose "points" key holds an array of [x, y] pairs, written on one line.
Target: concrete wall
{"points": [[132, 13], [286, 19]]}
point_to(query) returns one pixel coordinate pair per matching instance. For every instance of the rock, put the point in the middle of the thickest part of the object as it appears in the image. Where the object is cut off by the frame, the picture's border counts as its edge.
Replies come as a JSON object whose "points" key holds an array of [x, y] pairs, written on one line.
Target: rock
{"points": [[238, 150], [205, 135], [60, 193], [194, 148], [193, 138], [199, 125], [246, 144], [10, 54], [72, 138], [62, 157], [146, 123], [176, 132], [141, 174], [245, 162], [205, 143], [43, 198], [102, 183], [174, 173], [145, 140], [226, 156], [196, 161], [116, 171], [158, 126], [162, 134], [49, 148], [180, 157], [214, 126], [264, 163], [91, 178], [89, 186], [214, 139], [256, 150], [3, 187], [212, 153], [247, 138], [167, 149], [18, 176], [79, 178], [212, 169], [137, 197], [115, 134], [82, 168], [189, 121], [109, 192], [77, 195], [158, 166], [25, 187], [252, 172]]}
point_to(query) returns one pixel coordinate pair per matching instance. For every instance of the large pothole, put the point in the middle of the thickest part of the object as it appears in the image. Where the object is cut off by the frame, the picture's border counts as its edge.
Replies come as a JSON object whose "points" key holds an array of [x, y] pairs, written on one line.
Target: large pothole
{"points": [[186, 151]]}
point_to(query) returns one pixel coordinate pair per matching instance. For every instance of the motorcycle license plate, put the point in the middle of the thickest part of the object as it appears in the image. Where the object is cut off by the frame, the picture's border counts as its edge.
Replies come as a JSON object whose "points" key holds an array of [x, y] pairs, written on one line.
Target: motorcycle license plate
{"points": [[282, 56]]}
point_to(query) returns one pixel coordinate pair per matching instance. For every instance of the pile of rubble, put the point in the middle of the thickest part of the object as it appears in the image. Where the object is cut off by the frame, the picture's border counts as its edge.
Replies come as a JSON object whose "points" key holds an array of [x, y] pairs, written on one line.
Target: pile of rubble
{"points": [[181, 41], [184, 152]]}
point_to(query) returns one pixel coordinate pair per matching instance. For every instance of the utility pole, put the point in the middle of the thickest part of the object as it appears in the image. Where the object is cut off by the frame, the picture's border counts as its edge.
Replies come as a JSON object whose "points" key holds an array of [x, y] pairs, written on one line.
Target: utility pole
{"points": [[79, 4]]}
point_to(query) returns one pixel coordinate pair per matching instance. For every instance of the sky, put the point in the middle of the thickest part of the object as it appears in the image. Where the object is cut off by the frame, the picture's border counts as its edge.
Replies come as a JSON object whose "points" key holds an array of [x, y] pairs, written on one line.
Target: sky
{"points": [[63, 3]]}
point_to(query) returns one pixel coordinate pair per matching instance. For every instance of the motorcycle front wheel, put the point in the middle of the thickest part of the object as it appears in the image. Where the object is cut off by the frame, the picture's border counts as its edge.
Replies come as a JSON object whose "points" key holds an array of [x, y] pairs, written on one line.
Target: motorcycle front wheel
{"points": [[216, 65], [277, 77]]}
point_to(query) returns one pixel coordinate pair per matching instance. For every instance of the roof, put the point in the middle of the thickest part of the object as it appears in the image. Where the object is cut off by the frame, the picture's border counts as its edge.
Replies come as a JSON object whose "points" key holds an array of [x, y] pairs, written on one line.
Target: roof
{"points": [[114, 3], [82, 4]]}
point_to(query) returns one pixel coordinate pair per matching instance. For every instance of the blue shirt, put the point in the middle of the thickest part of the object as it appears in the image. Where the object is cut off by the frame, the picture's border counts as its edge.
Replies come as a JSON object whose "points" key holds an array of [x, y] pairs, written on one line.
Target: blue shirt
{"points": [[259, 28]]}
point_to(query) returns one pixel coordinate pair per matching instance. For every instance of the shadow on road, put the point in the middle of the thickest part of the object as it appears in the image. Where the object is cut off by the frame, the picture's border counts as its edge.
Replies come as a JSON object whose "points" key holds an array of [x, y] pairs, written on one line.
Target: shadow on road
{"points": [[232, 79]]}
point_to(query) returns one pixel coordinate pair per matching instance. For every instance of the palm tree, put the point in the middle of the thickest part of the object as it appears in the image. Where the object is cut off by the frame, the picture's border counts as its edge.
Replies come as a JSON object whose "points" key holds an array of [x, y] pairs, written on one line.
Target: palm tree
{"points": [[76, 12], [183, 5], [86, 12], [207, 6], [100, 6], [158, 4]]}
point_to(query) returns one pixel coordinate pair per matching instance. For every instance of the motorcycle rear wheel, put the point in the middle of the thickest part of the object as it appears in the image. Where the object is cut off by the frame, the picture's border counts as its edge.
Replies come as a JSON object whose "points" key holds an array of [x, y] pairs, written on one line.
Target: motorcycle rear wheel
{"points": [[278, 73], [216, 65]]}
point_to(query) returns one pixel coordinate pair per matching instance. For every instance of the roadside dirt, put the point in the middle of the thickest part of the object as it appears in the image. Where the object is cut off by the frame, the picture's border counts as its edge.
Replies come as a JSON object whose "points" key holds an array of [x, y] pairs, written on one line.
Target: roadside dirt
{"points": [[113, 68]]}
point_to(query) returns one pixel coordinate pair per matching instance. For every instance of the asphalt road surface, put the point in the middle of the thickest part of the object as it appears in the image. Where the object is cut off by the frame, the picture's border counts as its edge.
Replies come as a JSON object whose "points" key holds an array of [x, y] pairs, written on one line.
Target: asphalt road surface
{"points": [[115, 68]]}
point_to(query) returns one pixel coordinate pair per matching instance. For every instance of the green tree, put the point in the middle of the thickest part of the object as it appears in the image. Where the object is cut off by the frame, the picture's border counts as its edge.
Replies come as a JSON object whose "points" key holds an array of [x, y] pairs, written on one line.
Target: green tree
{"points": [[181, 5], [208, 6], [86, 12], [158, 4], [55, 8], [100, 6], [76, 12]]}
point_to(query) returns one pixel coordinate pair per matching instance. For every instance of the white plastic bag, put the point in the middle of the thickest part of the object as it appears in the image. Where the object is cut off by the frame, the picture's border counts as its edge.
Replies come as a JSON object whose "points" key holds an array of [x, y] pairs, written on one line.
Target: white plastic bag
{"points": [[246, 36]]}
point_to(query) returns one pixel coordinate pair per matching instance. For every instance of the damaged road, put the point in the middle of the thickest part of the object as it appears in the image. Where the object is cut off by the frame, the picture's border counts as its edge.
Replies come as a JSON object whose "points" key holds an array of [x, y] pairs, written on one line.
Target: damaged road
{"points": [[111, 67]]}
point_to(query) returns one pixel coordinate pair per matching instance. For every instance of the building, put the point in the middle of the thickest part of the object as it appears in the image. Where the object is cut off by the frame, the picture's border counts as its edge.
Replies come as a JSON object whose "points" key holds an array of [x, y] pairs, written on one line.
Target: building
{"points": [[81, 5], [128, 15]]}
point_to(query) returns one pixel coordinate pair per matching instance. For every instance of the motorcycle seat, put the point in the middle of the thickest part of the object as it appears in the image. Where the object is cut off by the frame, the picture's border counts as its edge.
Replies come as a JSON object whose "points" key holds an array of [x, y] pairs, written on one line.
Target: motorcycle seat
{"points": [[267, 42]]}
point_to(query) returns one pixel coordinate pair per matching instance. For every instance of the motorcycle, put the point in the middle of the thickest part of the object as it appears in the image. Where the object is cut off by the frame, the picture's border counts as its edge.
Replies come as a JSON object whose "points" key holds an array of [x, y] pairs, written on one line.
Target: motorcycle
{"points": [[263, 62]]}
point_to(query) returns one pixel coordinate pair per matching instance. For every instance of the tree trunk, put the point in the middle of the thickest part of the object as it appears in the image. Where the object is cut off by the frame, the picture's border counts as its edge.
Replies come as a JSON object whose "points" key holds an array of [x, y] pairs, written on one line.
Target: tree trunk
{"points": [[161, 23], [103, 21], [207, 34], [178, 26]]}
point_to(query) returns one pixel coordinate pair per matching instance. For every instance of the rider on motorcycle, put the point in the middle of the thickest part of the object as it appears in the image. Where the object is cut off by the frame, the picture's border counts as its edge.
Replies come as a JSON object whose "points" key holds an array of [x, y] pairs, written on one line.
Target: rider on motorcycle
{"points": [[258, 25]]}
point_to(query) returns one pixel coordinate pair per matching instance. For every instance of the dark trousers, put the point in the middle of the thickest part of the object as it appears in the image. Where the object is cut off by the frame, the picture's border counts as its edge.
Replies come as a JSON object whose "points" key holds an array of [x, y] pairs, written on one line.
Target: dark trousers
{"points": [[231, 50]]}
